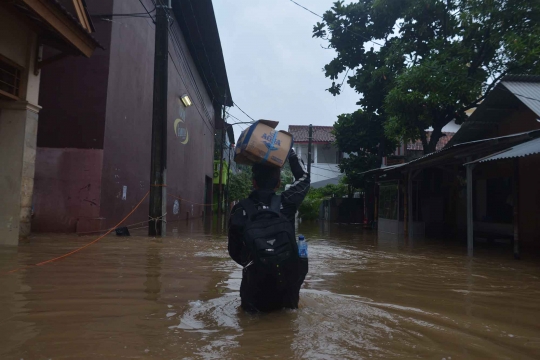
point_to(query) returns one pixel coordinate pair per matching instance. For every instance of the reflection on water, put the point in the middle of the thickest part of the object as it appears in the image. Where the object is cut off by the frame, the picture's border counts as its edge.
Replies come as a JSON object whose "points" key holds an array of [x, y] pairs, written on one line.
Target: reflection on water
{"points": [[178, 297]]}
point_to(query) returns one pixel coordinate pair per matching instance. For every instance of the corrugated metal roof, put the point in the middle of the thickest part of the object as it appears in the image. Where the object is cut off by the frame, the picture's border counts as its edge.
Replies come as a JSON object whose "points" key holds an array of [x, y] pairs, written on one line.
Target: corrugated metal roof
{"points": [[525, 149], [498, 106], [527, 92], [518, 137]]}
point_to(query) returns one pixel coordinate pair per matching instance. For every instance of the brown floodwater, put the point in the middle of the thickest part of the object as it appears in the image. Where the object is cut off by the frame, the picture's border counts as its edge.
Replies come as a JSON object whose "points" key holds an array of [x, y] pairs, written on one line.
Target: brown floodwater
{"points": [[177, 298]]}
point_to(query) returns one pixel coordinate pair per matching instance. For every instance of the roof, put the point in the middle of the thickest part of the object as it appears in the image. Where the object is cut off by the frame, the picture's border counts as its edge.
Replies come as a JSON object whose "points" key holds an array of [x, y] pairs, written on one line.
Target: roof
{"points": [[455, 153], [506, 97], [443, 140], [530, 147], [197, 21], [56, 21], [321, 134]]}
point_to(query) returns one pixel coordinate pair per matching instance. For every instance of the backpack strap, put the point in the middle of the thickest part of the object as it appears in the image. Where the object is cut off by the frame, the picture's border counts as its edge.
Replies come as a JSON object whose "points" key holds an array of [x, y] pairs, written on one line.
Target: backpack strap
{"points": [[275, 203], [249, 207]]}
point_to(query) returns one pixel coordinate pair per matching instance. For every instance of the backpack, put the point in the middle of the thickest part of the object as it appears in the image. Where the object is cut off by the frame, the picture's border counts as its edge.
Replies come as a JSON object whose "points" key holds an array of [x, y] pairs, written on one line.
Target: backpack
{"points": [[271, 245]]}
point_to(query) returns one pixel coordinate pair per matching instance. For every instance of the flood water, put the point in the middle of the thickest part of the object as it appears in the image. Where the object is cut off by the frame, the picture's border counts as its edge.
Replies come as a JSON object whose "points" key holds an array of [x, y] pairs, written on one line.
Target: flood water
{"points": [[178, 298]]}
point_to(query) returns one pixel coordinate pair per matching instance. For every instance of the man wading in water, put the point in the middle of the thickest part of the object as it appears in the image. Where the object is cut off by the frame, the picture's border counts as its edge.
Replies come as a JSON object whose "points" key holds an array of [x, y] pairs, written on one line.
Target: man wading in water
{"points": [[262, 240]]}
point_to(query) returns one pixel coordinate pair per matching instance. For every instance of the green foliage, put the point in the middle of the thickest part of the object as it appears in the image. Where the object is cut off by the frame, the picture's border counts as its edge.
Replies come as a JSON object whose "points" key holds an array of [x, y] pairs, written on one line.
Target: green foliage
{"points": [[309, 209], [438, 58], [240, 184], [287, 177], [362, 136]]}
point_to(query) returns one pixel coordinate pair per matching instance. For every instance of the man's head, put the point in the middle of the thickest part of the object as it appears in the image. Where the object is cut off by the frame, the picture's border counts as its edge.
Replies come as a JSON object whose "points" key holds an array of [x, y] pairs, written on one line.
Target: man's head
{"points": [[266, 177]]}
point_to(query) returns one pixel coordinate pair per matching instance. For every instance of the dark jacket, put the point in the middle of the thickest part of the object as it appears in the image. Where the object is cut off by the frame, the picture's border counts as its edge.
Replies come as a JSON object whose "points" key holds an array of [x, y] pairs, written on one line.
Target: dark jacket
{"points": [[259, 299]]}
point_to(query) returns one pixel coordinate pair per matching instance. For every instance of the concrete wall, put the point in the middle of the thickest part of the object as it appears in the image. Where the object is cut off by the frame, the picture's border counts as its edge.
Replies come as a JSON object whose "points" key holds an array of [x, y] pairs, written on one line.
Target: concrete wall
{"points": [[18, 130], [71, 134], [126, 159], [323, 166], [67, 189], [74, 93], [104, 104]]}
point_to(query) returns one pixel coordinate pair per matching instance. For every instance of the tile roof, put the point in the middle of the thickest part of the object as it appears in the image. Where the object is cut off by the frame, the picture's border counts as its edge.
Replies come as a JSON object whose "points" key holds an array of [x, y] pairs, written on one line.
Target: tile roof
{"points": [[417, 145], [321, 134]]}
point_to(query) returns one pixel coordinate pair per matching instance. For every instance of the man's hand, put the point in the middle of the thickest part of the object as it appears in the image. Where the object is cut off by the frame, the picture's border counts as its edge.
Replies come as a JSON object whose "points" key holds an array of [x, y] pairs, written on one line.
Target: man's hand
{"points": [[292, 153]]}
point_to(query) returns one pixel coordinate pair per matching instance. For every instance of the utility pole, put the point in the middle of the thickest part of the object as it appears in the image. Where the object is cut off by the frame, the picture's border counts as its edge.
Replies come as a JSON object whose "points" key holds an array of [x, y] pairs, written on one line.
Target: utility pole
{"points": [[228, 183], [309, 149], [220, 188], [158, 166]]}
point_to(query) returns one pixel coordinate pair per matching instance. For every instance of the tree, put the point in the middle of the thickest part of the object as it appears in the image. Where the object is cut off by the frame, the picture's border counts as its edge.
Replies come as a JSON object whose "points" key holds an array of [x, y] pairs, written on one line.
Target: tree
{"points": [[423, 63], [240, 184], [361, 135]]}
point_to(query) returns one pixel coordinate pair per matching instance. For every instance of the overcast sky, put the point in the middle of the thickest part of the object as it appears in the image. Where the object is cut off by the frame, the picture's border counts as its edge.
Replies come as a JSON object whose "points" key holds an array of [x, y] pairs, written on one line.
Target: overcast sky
{"points": [[275, 67]]}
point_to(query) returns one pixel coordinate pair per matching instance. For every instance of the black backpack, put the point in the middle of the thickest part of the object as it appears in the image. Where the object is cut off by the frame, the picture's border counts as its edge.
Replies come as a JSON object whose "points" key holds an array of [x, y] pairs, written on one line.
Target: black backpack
{"points": [[270, 241]]}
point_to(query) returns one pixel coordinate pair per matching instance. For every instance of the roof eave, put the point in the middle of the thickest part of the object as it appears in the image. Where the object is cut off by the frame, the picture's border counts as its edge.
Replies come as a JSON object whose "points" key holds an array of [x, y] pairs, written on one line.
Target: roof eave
{"points": [[64, 25]]}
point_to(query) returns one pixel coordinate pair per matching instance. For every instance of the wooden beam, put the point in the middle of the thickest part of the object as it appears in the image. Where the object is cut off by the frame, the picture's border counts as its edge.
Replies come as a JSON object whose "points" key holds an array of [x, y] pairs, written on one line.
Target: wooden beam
{"points": [[81, 14], [63, 25], [50, 60], [515, 194], [470, 219]]}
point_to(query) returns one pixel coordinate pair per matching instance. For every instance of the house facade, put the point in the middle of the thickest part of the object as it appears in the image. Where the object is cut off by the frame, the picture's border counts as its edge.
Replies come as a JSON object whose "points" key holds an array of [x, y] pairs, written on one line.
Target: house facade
{"points": [[325, 156], [483, 185], [33, 36], [414, 149], [93, 147]]}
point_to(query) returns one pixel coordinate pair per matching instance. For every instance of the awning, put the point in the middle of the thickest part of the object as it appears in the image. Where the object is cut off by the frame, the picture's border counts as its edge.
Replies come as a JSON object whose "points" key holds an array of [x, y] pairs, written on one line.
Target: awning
{"points": [[455, 153], [525, 149]]}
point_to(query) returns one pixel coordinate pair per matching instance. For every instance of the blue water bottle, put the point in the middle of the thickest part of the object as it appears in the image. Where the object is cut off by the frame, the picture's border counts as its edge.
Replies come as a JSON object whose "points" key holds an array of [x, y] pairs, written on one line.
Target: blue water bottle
{"points": [[302, 247]]}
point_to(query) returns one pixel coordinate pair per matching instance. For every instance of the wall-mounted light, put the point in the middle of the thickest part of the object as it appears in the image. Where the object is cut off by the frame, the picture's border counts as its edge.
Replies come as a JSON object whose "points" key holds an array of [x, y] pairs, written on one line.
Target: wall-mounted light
{"points": [[186, 100]]}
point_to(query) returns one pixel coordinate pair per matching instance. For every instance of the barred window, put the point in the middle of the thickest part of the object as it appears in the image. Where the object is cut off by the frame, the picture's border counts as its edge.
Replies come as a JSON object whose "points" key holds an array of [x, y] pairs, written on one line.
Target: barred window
{"points": [[10, 79]]}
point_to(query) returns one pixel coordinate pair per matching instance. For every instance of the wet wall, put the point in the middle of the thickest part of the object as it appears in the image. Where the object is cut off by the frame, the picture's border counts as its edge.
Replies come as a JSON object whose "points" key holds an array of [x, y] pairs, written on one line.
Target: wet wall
{"points": [[73, 92], [128, 126], [105, 103], [73, 96]]}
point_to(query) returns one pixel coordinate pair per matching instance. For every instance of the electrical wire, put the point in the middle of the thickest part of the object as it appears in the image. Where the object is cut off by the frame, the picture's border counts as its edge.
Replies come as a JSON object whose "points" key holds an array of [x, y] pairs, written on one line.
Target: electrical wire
{"points": [[181, 56], [196, 107], [149, 12], [239, 108], [197, 55], [203, 45]]}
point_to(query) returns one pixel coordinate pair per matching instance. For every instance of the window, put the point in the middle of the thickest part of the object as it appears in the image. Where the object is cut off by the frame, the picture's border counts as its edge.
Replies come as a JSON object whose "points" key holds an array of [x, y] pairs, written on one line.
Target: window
{"points": [[10, 79]]}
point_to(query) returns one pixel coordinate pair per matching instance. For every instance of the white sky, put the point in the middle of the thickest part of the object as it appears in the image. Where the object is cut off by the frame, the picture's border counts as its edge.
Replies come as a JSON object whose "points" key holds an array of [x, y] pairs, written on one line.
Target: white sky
{"points": [[275, 67]]}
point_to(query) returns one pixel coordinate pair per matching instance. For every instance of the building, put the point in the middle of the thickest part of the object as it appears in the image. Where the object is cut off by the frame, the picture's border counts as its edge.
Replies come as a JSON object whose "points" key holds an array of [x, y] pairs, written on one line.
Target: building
{"points": [[325, 155], [414, 149], [226, 142], [483, 185], [93, 147], [34, 36]]}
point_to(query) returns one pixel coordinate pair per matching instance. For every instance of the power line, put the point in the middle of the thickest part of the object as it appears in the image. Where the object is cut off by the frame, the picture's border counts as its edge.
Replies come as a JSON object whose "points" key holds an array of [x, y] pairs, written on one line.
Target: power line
{"points": [[428, 66], [196, 107], [187, 68], [239, 108], [203, 45], [148, 12], [197, 56]]}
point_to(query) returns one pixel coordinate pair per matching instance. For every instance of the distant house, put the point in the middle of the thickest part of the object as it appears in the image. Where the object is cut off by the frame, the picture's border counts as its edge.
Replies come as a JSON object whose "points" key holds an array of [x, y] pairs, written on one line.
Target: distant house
{"points": [[414, 150], [325, 155], [482, 185]]}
